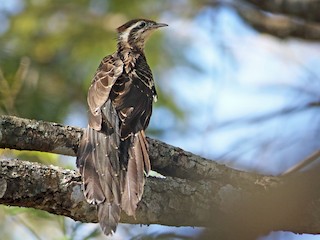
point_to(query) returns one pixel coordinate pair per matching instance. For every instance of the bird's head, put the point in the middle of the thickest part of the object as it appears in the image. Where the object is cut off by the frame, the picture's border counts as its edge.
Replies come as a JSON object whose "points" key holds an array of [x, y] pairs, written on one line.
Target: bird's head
{"points": [[134, 33]]}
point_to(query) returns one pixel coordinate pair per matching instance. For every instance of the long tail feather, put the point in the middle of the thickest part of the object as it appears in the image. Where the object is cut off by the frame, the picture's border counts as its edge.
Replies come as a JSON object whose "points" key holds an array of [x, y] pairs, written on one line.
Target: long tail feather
{"points": [[98, 161], [92, 188], [144, 148], [134, 180], [109, 216]]}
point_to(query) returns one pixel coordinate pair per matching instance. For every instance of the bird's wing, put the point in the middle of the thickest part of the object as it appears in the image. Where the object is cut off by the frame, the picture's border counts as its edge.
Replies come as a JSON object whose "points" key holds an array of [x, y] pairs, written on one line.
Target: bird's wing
{"points": [[98, 154], [133, 95], [109, 70]]}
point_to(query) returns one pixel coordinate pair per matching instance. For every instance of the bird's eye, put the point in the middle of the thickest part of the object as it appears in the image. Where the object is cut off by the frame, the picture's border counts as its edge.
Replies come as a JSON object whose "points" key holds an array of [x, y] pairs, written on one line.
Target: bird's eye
{"points": [[143, 24]]}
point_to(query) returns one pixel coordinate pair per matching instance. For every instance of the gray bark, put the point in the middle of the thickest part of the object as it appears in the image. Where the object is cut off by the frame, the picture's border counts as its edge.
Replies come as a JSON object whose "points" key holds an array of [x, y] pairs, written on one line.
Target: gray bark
{"points": [[196, 191]]}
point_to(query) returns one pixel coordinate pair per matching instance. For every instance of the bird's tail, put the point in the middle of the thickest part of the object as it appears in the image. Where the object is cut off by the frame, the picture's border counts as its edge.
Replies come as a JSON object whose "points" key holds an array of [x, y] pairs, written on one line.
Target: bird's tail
{"points": [[98, 162], [138, 165]]}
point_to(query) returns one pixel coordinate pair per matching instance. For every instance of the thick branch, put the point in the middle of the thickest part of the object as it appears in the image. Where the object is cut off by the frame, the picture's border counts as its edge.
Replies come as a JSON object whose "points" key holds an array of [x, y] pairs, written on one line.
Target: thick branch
{"points": [[204, 193], [266, 203], [58, 191], [26, 134]]}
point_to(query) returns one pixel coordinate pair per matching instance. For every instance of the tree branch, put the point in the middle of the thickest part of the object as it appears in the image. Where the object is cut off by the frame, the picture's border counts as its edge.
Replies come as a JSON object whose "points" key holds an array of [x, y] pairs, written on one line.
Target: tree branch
{"points": [[196, 192], [280, 18], [270, 115], [306, 9], [26, 134], [281, 26], [58, 191]]}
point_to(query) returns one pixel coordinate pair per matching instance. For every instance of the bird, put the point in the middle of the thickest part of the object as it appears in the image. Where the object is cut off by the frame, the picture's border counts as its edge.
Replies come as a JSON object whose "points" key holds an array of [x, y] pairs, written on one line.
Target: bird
{"points": [[112, 156]]}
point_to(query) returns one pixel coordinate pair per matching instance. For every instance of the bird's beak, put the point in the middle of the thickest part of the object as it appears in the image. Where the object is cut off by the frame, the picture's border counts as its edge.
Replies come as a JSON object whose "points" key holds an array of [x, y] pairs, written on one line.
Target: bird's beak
{"points": [[158, 25]]}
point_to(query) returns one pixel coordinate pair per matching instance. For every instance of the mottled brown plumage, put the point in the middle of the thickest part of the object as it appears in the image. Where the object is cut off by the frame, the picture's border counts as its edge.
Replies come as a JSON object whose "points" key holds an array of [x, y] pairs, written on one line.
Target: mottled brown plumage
{"points": [[113, 153]]}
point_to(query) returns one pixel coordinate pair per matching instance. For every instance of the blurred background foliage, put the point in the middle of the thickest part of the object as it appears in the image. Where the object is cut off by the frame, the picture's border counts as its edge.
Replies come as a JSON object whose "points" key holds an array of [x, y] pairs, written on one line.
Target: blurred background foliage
{"points": [[245, 97], [58, 46]]}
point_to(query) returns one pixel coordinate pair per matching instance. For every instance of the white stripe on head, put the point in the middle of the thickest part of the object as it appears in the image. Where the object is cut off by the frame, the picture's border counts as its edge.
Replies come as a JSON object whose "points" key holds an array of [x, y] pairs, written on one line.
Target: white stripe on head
{"points": [[123, 36]]}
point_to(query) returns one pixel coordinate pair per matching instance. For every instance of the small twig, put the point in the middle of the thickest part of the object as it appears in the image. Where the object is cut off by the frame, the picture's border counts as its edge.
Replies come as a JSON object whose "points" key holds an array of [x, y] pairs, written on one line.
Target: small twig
{"points": [[313, 157]]}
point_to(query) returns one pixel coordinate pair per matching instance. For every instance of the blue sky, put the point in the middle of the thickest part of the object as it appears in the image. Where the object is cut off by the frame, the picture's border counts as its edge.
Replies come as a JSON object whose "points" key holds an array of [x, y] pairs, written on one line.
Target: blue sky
{"points": [[243, 74]]}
